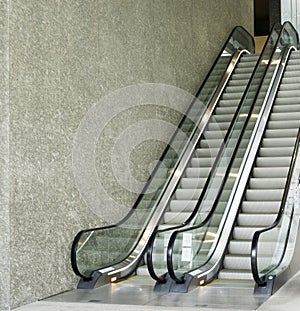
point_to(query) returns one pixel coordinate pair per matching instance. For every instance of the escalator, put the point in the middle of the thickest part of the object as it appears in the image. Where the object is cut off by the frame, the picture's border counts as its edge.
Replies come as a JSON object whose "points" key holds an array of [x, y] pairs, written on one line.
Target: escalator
{"points": [[182, 241], [201, 166], [200, 205], [191, 185], [113, 253], [265, 189], [252, 240], [198, 171], [217, 209]]}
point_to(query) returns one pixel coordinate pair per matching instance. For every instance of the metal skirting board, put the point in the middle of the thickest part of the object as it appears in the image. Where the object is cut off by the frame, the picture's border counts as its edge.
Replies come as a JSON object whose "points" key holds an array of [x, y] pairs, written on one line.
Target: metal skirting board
{"points": [[139, 291]]}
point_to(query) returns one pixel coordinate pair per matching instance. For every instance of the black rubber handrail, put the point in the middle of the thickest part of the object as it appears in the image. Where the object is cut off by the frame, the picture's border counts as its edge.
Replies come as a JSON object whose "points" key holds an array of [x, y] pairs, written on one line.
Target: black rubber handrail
{"points": [[150, 265], [207, 219], [91, 230], [261, 281]]}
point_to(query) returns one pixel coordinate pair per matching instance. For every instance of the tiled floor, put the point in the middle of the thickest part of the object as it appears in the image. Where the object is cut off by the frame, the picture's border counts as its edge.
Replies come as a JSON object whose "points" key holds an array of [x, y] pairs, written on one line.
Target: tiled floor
{"points": [[126, 297]]}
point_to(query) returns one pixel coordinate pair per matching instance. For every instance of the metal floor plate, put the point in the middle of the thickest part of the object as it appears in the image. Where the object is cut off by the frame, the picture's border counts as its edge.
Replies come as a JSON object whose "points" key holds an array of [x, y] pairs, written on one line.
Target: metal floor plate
{"points": [[139, 291]]}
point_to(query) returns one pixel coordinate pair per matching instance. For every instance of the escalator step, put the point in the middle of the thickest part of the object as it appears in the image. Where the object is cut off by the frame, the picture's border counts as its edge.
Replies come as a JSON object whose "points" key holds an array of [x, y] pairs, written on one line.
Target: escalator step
{"points": [[278, 142], [267, 183], [288, 86], [223, 118], [290, 80], [264, 194], [260, 207], [197, 172], [201, 162], [211, 143], [227, 110], [242, 247], [275, 151], [278, 133], [176, 205], [254, 220], [237, 262], [246, 233], [231, 96], [218, 126], [234, 88], [273, 161], [286, 124], [188, 194], [235, 274], [294, 67], [241, 76], [192, 183], [177, 217], [291, 73], [289, 93], [214, 134], [206, 152], [270, 172], [287, 101]]}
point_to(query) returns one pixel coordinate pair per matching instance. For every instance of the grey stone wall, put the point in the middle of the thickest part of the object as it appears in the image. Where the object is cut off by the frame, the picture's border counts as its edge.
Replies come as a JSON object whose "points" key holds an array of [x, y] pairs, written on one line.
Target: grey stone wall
{"points": [[65, 56], [4, 159]]}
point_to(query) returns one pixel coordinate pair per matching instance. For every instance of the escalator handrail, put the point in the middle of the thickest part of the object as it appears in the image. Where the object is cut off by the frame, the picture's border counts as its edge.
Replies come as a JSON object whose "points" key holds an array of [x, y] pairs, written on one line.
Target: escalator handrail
{"points": [[92, 230], [173, 236], [150, 265], [254, 247]]}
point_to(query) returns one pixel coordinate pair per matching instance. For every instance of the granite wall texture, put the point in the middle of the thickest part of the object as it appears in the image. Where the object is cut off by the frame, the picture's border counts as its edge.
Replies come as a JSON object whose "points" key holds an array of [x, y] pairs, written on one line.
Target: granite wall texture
{"points": [[4, 159], [65, 56]]}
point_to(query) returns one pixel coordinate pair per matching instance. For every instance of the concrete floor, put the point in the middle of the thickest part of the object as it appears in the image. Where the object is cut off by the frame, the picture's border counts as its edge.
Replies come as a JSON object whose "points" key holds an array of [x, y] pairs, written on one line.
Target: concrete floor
{"points": [[287, 298]]}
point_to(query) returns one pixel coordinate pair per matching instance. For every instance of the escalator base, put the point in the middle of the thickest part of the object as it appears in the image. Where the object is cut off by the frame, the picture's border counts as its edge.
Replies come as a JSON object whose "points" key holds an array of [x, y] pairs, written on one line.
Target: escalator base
{"points": [[139, 292]]}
